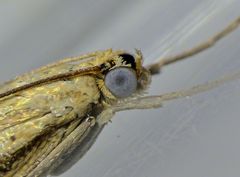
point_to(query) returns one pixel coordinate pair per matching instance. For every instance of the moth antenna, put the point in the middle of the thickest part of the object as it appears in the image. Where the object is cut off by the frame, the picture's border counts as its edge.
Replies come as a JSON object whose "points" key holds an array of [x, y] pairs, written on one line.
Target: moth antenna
{"points": [[155, 67], [156, 101]]}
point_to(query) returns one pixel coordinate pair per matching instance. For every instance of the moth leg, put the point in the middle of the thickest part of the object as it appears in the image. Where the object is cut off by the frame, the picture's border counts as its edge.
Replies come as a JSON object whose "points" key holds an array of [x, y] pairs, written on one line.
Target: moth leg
{"points": [[105, 116], [157, 100], [155, 67]]}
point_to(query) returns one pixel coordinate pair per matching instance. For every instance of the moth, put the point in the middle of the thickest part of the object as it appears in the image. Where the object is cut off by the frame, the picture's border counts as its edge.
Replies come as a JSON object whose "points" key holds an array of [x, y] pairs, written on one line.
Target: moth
{"points": [[53, 112]]}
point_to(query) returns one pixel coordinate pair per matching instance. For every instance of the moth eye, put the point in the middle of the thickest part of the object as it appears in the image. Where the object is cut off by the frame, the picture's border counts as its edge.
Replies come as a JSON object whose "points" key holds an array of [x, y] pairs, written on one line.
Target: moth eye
{"points": [[122, 82]]}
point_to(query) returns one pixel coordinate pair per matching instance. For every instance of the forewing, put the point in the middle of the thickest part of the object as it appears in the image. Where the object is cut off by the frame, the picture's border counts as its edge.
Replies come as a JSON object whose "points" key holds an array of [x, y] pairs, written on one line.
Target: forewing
{"points": [[30, 156], [67, 145], [59, 67], [39, 116], [33, 113]]}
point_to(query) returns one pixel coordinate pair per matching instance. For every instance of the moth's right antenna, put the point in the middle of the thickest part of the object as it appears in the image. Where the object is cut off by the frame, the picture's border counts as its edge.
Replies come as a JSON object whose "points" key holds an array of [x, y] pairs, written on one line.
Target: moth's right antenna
{"points": [[155, 67]]}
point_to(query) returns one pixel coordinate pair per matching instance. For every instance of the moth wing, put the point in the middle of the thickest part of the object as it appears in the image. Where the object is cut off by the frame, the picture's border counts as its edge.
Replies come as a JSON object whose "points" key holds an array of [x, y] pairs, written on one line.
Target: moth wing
{"points": [[68, 159], [28, 115], [33, 113], [18, 107], [45, 150], [20, 135], [75, 145], [59, 67]]}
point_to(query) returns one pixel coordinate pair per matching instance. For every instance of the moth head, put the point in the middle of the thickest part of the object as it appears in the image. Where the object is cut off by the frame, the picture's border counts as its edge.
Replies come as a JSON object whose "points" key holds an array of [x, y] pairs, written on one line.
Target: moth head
{"points": [[126, 76]]}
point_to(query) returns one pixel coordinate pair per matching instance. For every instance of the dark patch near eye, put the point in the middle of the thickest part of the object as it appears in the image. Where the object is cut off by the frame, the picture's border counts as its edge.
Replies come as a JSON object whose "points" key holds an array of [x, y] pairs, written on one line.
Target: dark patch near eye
{"points": [[106, 66], [129, 59]]}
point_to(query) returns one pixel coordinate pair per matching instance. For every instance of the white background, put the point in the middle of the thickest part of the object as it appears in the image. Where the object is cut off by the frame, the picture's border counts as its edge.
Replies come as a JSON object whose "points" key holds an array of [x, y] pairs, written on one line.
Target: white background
{"points": [[197, 136]]}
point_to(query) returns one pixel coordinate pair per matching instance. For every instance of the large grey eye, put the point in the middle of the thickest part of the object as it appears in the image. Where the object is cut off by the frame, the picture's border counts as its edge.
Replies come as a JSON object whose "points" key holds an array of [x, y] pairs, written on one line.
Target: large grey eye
{"points": [[122, 82]]}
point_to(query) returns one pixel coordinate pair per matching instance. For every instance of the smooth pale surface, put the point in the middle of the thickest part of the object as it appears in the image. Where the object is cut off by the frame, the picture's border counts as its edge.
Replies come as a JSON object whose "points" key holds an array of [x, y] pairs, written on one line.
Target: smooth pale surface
{"points": [[197, 136]]}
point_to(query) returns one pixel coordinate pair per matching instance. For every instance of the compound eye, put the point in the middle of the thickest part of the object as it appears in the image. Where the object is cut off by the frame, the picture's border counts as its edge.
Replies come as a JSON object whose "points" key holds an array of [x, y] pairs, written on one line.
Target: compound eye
{"points": [[122, 81]]}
